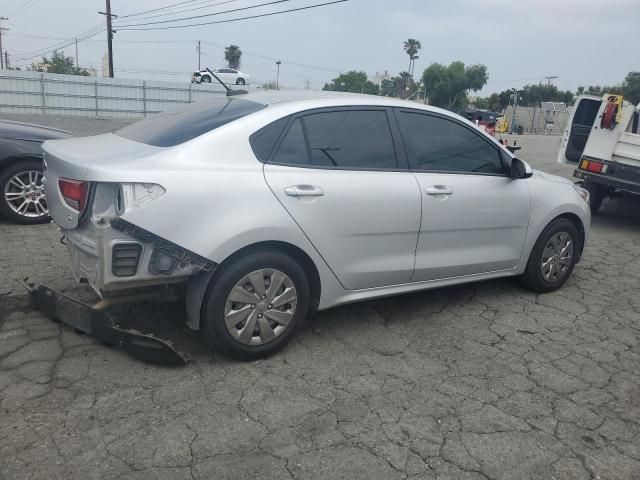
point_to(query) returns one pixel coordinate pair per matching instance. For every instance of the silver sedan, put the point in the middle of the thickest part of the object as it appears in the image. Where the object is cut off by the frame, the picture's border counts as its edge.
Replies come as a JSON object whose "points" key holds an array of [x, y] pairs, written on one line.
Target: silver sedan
{"points": [[263, 208]]}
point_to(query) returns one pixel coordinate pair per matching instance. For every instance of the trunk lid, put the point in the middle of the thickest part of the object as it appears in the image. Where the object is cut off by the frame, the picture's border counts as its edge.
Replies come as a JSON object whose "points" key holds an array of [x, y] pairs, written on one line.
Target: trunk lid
{"points": [[101, 158]]}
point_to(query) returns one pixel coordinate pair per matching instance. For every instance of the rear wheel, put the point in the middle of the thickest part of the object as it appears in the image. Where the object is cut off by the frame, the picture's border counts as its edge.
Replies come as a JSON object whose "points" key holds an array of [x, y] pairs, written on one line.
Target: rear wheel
{"points": [[553, 256], [596, 196], [255, 304], [23, 199]]}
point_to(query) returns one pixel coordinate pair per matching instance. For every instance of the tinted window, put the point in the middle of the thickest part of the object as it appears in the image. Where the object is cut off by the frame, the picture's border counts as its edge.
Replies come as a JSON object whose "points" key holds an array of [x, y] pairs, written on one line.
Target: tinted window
{"points": [[265, 139], [350, 139], [438, 144], [586, 112], [179, 126], [293, 149]]}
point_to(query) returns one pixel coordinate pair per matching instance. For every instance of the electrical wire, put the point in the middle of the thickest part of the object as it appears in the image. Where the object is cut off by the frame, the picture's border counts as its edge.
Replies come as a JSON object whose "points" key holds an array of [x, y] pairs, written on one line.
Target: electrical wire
{"points": [[181, 11], [27, 5], [274, 2], [240, 18]]}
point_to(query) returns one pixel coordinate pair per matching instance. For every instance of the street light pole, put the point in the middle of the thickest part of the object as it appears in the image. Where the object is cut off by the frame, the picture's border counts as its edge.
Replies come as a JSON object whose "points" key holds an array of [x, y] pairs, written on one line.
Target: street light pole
{"points": [[2, 65], [278, 63]]}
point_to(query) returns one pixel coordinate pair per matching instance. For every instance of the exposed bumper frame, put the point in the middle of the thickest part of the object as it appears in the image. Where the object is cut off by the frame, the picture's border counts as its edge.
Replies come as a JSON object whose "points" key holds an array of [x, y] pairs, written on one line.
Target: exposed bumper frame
{"points": [[96, 321]]}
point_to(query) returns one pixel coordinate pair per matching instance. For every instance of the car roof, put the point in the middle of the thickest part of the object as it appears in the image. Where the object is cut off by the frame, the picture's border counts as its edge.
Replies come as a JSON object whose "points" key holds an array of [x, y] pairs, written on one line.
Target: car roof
{"points": [[319, 98]]}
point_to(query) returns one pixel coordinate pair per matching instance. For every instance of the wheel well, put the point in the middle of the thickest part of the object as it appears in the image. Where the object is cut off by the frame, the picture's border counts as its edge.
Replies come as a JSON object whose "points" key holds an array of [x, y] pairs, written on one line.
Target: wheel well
{"points": [[298, 254], [573, 218], [10, 161]]}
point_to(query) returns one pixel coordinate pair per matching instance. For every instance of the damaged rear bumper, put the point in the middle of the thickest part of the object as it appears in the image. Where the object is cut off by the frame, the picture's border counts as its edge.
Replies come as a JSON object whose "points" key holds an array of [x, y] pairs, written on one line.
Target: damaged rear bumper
{"points": [[96, 321]]}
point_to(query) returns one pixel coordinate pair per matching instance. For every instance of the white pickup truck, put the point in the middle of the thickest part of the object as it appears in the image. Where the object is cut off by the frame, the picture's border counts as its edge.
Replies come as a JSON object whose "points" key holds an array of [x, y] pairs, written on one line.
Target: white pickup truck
{"points": [[603, 138]]}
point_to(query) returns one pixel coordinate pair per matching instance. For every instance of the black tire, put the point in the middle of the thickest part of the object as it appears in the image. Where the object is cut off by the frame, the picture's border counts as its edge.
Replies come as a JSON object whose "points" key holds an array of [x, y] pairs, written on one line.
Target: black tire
{"points": [[533, 277], [5, 176], [228, 275], [240, 81], [596, 196], [205, 79]]}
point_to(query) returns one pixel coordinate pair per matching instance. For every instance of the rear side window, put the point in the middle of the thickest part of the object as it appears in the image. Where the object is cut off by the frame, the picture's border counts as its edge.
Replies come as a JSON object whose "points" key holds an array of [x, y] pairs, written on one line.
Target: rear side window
{"points": [[266, 138], [293, 149], [441, 145], [176, 127], [346, 139]]}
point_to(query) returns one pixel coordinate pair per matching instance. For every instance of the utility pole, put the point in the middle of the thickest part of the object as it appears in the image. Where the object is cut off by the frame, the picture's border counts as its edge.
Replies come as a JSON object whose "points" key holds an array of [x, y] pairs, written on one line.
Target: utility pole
{"points": [[110, 33], [6, 60], [77, 61], [278, 63], [549, 78], [199, 55], [2, 29]]}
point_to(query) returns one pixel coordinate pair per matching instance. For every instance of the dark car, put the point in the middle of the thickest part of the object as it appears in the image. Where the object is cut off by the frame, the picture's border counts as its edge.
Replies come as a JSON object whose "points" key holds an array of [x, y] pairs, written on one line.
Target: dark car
{"points": [[22, 197]]}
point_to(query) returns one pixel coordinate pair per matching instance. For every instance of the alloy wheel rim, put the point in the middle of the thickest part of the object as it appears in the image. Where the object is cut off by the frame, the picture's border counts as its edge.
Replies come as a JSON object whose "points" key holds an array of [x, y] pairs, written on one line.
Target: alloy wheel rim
{"points": [[556, 257], [260, 307], [24, 194]]}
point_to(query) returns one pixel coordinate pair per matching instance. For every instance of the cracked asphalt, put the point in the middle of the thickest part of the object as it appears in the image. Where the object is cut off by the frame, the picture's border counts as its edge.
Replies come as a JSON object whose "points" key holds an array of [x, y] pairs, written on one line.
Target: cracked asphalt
{"points": [[483, 381]]}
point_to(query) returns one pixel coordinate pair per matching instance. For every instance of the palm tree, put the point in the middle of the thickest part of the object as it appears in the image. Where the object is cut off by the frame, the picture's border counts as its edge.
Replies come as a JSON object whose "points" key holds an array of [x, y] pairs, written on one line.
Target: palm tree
{"points": [[411, 47], [233, 54]]}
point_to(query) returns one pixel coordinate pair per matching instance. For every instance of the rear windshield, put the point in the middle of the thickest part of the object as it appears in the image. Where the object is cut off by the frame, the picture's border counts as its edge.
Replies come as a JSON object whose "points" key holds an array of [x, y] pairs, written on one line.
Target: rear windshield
{"points": [[176, 127]]}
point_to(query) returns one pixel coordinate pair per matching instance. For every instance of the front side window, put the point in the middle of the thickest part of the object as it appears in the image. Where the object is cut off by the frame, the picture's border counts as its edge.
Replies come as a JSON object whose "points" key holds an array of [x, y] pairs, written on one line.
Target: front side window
{"points": [[441, 145], [346, 139]]}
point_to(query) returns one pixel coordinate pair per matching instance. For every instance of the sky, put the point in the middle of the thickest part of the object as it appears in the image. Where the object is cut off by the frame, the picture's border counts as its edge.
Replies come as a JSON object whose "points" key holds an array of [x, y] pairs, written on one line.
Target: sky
{"points": [[582, 42]]}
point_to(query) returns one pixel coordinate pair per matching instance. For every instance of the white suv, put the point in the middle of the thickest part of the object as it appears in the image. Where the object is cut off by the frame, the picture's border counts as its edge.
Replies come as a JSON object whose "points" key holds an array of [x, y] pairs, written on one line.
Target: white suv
{"points": [[227, 75]]}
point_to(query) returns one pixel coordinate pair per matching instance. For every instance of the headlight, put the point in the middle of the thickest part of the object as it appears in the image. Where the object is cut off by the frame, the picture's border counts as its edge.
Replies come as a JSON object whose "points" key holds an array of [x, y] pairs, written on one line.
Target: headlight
{"points": [[583, 193]]}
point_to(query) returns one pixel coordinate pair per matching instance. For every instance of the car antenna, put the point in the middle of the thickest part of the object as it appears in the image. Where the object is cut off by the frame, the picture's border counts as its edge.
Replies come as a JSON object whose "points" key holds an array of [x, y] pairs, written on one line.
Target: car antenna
{"points": [[230, 92]]}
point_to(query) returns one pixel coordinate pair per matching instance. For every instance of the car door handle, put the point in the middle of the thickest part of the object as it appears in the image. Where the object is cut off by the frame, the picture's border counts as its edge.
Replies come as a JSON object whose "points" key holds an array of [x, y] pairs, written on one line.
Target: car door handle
{"points": [[438, 190], [304, 191]]}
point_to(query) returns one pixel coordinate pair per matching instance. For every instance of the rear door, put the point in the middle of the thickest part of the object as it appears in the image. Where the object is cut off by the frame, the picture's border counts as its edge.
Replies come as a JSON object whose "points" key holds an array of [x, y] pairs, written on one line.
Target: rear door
{"points": [[341, 175], [578, 128]]}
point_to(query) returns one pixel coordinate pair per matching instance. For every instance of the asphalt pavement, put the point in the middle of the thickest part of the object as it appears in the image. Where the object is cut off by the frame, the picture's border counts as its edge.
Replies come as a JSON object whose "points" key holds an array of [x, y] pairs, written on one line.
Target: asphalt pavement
{"points": [[482, 381]]}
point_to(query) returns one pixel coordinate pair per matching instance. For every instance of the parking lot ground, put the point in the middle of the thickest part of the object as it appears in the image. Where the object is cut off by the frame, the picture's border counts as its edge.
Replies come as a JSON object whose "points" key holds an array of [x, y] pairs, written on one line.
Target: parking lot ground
{"points": [[483, 381]]}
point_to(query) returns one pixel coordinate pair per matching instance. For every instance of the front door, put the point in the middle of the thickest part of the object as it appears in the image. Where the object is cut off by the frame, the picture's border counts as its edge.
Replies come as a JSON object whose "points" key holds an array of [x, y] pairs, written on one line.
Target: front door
{"points": [[337, 173], [474, 216]]}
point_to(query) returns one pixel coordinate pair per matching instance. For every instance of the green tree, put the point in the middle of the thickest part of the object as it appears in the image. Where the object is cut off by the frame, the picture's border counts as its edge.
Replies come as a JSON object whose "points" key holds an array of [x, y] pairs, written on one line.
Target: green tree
{"points": [[411, 48], [532, 95], [447, 86], [631, 87], [233, 56], [354, 82], [59, 63]]}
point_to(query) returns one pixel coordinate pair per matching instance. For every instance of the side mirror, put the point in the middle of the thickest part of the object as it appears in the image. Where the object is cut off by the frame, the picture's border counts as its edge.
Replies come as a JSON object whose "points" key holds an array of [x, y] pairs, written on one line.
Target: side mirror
{"points": [[520, 169]]}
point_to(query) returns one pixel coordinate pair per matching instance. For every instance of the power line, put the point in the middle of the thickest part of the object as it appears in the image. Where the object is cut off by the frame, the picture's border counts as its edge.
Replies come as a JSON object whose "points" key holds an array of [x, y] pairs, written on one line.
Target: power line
{"points": [[238, 19], [181, 11], [158, 9], [23, 7], [208, 14], [60, 45]]}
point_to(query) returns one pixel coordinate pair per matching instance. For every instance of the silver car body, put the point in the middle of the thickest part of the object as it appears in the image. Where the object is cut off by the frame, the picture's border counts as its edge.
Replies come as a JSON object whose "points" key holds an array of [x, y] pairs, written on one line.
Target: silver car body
{"points": [[370, 233]]}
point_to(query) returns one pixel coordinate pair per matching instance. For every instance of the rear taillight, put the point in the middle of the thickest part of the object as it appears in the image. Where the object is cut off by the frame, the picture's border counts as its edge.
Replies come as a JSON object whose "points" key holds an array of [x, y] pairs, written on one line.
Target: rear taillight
{"points": [[593, 166], [74, 193]]}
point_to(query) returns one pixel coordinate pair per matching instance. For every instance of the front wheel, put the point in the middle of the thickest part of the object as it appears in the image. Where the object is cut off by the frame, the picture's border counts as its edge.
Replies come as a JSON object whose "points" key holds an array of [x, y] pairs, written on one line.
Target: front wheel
{"points": [[205, 79], [240, 81], [553, 257], [23, 199], [255, 304]]}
